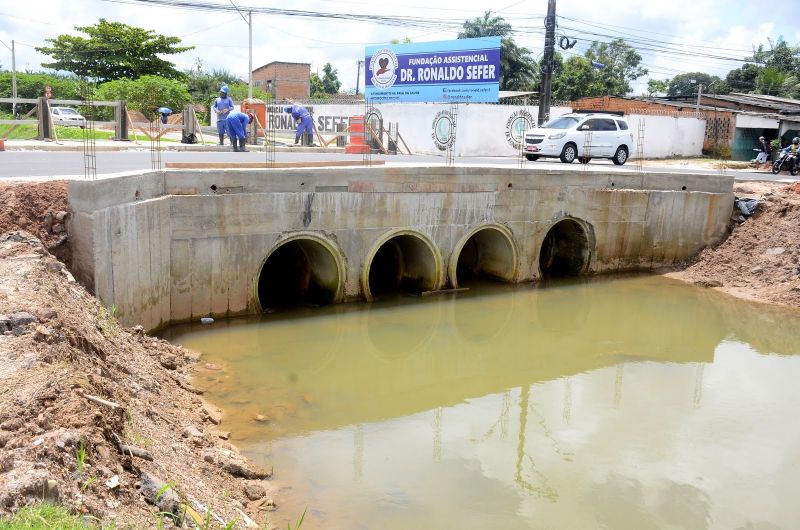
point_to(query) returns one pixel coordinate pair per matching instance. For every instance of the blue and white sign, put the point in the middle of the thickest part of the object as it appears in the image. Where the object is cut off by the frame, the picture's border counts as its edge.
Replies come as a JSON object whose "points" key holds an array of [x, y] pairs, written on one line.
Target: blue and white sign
{"points": [[453, 71]]}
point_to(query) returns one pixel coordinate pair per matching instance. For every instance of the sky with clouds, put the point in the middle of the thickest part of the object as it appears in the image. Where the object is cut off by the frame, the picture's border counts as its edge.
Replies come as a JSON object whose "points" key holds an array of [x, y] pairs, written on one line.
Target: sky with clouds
{"points": [[673, 36]]}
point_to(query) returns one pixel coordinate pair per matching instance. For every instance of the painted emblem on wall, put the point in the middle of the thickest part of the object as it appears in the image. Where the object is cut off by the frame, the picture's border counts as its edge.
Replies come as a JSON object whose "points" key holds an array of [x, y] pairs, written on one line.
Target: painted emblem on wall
{"points": [[516, 125], [444, 134], [383, 66]]}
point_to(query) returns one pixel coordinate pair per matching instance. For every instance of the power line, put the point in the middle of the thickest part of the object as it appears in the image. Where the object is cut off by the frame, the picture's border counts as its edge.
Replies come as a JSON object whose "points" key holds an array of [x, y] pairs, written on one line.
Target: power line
{"points": [[649, 34]]}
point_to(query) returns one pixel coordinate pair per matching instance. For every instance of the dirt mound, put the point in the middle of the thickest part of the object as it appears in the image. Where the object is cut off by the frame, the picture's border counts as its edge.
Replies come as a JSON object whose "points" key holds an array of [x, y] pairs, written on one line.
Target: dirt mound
{"points": [[760, 260], [101, 419], [38, 208]]}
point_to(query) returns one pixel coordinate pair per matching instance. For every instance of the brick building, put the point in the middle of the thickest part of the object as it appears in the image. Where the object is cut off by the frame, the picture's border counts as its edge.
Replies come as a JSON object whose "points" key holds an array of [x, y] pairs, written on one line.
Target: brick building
{"points": [[736, 128], [284, 80]]}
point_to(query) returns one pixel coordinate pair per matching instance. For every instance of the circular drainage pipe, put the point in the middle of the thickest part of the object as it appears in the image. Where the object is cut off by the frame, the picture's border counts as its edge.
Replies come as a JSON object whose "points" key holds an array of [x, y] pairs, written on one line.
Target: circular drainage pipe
{"points": [[485, 252], [566, 249], [401, 260], [302, 269]]}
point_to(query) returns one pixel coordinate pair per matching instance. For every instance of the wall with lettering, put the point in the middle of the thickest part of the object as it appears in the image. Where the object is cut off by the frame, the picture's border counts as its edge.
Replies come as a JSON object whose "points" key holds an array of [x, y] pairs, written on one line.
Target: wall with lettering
{"points": [[488, 130]]}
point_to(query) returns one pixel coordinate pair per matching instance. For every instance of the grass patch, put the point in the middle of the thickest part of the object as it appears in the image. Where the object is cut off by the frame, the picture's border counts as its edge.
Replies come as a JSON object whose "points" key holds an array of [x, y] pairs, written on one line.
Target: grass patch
{"points": [[28, 132], [45, 517]]}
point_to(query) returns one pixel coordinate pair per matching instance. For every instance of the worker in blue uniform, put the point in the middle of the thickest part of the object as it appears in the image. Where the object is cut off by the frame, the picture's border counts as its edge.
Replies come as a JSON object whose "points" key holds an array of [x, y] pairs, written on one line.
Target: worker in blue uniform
{"points": [[236, 124], [301, 114], [223, 105]]}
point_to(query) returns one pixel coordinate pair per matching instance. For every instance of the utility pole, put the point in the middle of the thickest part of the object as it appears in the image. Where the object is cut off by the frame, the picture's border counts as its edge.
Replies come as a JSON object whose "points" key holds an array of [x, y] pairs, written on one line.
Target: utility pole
{"points": [[697, 106], [250, 63], [249, 21], [358, 73], [547, 62], [13, 82]]}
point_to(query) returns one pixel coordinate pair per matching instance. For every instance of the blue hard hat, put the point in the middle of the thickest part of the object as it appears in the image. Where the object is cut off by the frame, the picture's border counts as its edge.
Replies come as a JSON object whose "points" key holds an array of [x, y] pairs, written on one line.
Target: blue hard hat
{"points": [[287, 109], [224, 89]]}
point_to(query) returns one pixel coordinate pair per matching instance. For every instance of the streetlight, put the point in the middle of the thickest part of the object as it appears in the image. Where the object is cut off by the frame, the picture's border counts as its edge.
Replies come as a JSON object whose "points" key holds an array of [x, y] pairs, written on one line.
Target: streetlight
{"points": [[249, 21], [13, 79]]}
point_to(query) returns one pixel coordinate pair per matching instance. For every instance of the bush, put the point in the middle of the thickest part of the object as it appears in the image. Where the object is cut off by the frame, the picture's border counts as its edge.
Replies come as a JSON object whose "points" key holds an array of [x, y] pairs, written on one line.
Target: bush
{"points": [[32, 86], [146, 94]]}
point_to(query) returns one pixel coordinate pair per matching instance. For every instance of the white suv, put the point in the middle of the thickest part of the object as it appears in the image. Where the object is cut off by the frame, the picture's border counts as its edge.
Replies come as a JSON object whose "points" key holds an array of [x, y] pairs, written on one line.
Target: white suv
{"points": [[581, 135]]}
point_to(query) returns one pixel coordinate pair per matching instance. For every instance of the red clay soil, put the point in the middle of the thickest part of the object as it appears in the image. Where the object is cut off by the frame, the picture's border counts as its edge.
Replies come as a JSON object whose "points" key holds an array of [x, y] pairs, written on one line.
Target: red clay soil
{"points": [[105, 420], [25, 206], [760, 260]]}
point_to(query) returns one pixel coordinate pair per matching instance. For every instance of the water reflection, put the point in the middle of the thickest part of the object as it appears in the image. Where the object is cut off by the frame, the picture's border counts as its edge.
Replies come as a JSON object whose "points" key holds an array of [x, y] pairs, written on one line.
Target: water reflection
{"points": [[629, 403]]}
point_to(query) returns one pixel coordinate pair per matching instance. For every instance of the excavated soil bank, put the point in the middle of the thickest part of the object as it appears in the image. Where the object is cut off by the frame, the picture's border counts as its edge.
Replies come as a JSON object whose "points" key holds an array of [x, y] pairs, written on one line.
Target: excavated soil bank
{"points": [[101, 418], [760, 259], [105, 420]]}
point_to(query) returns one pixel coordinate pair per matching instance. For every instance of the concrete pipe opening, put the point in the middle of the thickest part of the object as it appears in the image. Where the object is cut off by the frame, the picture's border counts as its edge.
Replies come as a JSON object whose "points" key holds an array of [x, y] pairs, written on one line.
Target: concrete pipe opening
{"points": [[487, 253], [565, 250], [299, 272], [403, 263]]}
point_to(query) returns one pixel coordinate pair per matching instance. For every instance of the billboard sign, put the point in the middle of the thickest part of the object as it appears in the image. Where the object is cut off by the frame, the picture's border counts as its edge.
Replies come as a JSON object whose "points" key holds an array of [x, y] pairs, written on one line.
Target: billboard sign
{"points": [[453, 71]]}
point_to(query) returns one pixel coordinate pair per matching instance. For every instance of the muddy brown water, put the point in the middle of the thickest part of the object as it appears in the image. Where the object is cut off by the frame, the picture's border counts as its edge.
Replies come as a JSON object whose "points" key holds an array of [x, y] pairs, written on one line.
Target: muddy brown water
{"points": [[634, 402]]}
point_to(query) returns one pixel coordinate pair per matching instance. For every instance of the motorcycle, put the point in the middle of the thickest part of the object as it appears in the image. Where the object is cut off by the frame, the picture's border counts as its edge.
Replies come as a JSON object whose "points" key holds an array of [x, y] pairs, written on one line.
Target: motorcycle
{"points": [[786, 160]]}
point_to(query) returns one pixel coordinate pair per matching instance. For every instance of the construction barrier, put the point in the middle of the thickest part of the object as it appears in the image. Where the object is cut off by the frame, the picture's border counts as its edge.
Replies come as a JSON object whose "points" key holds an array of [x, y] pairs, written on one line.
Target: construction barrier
{"points": [[356, 143]]}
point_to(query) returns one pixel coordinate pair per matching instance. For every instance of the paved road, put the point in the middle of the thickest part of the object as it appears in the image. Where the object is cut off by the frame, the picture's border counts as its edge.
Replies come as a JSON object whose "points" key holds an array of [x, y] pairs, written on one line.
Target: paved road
{"points": [[48, 165]]}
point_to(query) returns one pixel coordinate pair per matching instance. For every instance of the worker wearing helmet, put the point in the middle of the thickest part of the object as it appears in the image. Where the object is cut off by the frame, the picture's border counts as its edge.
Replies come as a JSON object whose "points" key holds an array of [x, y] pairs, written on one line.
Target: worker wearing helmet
{"points": [[301, 114], [236, 124], [223, 105]]}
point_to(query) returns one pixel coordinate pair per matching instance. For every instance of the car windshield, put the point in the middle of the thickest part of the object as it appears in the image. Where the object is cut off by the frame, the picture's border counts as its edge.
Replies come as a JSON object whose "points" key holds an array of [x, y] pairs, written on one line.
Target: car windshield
{"points": [[562, 122], [68, 111]]}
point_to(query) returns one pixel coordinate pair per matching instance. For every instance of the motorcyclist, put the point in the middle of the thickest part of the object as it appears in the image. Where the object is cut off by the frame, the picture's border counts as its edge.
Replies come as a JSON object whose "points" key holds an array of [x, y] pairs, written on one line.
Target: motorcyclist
{"points": [[792, 150]]}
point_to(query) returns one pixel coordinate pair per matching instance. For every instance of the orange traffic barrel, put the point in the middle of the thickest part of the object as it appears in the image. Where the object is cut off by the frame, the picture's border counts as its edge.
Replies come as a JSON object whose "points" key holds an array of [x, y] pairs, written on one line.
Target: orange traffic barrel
{"points": [[355, 143], [259, 108]]}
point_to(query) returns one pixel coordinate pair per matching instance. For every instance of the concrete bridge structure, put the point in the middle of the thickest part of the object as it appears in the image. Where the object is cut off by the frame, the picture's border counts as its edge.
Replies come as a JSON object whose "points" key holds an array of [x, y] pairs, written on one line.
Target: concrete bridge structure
{"points": [[170, 246]]}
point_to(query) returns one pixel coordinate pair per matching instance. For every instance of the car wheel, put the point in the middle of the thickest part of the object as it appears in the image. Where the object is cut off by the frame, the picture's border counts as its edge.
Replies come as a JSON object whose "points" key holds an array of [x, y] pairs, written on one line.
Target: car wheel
{"points": [[584, 159], [82, 126], [621, 156], [532, 158], [569, 153]]}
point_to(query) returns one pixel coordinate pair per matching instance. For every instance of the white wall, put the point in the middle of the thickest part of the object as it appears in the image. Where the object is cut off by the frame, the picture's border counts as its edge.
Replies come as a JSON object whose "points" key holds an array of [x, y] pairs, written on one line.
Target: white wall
{"points": [[666, 136], [750, 121], [483, 130]]}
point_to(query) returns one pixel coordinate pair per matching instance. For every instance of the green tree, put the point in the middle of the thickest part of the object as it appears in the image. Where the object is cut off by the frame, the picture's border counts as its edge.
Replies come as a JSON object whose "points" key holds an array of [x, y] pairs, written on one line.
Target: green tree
{"points": [[146, 93], [31, 86], [317, 88], [743, 79], [687, 84], [486, 26], [518, 68], [657, 86], [330, 79], [572, 79], [781, 57], [621, 67], [204, 85], [114, 51], [770, 81]]}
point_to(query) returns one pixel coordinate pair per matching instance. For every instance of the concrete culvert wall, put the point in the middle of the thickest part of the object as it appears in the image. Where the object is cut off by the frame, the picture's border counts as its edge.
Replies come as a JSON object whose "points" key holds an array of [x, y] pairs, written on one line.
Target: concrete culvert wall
{"points": [[486, 253], [301, 271], [405, 262], [565, 251]]}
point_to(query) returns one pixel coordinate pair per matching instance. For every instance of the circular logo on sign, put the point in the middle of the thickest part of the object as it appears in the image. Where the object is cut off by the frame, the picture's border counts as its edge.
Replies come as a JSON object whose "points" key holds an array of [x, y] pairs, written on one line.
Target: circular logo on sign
{"points": [[443, 133], [383, 66], [516, 125]]}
